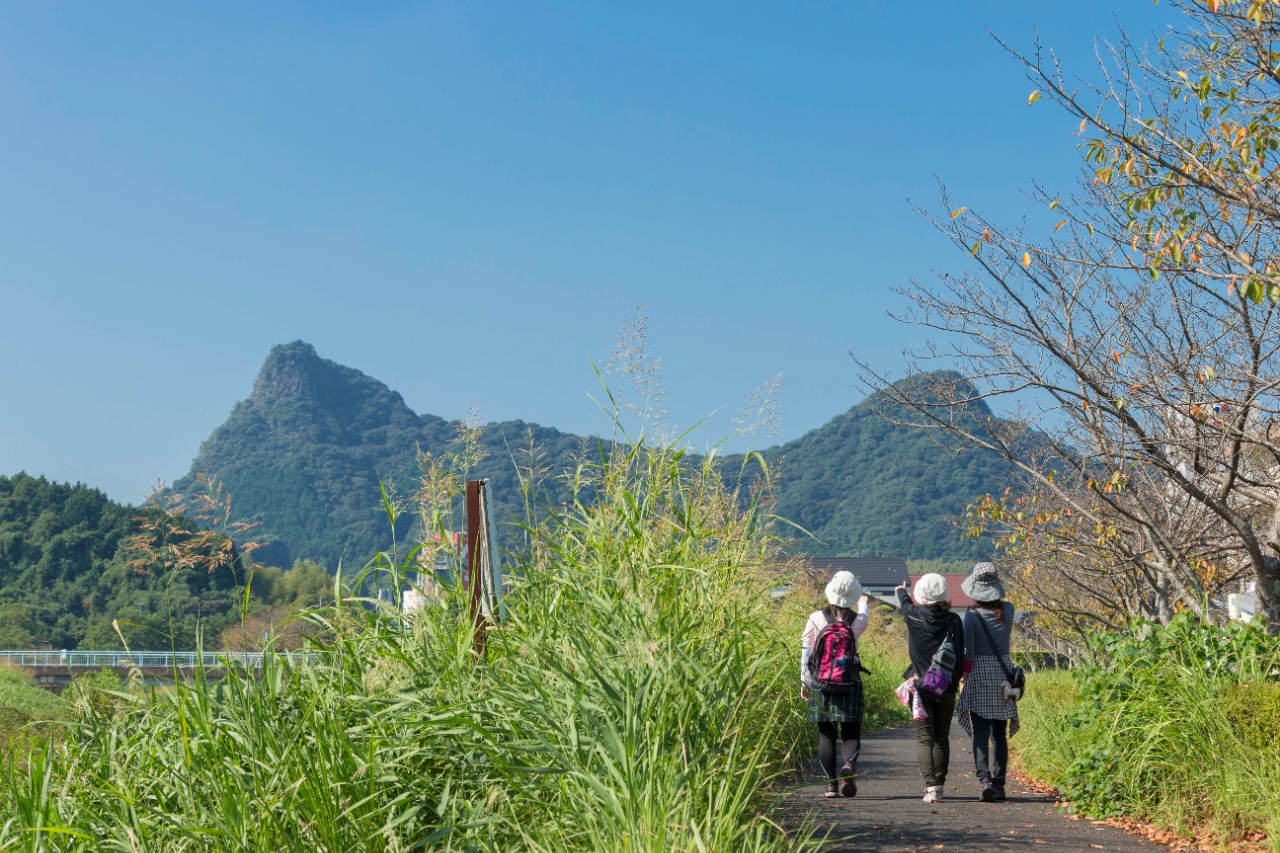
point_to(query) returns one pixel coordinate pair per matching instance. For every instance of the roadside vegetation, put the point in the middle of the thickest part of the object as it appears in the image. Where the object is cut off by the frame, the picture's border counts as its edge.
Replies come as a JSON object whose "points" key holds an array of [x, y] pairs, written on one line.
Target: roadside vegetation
{"points": [[27, 714], [640, 695], [1178, 725]]}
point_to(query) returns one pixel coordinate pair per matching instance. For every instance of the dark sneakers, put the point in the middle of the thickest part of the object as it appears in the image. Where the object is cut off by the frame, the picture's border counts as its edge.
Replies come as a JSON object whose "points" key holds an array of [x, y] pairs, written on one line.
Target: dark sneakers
{"points": [[988, 794], [999, 794]]}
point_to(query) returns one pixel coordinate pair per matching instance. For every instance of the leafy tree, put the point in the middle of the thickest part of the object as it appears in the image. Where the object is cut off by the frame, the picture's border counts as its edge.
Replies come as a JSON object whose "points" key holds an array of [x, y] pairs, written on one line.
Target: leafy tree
{"points": [[18, 628]]}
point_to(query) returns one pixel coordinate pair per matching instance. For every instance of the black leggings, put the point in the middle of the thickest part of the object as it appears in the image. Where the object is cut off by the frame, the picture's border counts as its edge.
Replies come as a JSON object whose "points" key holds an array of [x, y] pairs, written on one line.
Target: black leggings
{"points": [[850, 743], [990, 763]]}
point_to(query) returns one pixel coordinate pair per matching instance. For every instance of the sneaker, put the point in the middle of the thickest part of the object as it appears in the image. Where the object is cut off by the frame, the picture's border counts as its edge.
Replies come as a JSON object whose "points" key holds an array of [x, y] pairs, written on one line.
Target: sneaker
{"points": [[848, 787], [833, 790], [988, 794], [999, 794], [933, 793]]}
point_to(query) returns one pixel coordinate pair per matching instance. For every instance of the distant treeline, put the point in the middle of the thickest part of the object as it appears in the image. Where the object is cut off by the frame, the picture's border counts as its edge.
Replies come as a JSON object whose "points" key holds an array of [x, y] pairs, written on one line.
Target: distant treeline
{"points": [[78, 570]]}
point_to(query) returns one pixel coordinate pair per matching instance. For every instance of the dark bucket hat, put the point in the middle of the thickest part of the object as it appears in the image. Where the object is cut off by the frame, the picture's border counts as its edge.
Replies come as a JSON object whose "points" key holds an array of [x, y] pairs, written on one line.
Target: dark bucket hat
{"points": [[983, 583]]}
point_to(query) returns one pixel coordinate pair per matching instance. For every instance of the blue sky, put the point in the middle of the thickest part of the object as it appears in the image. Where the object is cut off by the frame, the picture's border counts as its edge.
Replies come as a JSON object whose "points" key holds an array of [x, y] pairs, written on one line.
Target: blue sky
{"points": [[466, 201]]}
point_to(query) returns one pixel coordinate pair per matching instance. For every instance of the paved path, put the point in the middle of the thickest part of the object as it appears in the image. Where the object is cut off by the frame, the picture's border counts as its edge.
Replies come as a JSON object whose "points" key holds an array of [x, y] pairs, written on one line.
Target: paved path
{"points": [[888, 814]]}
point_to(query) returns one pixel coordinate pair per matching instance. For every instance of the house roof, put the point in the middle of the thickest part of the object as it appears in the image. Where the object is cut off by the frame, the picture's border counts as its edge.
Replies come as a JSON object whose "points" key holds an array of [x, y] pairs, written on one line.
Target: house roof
{"points": [[955, 594], [871, 572]]}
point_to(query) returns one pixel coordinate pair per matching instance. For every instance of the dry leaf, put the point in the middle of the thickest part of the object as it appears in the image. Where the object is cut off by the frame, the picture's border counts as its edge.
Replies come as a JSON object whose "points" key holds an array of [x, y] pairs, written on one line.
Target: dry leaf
{"points": [[1026, 259], [958, 211]]}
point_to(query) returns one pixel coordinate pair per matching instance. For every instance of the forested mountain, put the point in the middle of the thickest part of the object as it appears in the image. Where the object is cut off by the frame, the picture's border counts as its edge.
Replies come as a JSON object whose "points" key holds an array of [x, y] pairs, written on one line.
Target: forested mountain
{"points": [[304, 454], [865, 487]]}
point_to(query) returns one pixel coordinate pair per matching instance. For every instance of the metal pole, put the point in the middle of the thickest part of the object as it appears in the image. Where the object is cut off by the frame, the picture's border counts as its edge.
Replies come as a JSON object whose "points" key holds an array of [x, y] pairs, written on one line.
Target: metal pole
{"points": [[474, 563]]}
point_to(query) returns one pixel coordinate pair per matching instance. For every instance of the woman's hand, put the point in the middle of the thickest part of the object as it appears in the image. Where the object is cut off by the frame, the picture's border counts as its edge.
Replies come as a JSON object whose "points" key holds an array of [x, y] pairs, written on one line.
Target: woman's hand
{"points": [[804, 693]]}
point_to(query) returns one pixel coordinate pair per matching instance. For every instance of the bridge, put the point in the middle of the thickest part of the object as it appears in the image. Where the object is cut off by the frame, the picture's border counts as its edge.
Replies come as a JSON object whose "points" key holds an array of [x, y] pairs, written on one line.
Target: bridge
{"points": [[56, 669]]}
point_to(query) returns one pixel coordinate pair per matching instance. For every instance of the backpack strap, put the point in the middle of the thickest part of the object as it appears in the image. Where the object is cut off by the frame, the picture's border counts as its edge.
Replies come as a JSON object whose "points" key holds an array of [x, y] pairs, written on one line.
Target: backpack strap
{"points": [[992, 640]]}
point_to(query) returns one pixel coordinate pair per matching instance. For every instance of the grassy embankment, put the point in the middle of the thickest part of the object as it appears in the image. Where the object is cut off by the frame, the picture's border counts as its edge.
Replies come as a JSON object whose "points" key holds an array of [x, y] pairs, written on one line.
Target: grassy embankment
{"points": [[1178, 725], [641, 695], [28, 714]]}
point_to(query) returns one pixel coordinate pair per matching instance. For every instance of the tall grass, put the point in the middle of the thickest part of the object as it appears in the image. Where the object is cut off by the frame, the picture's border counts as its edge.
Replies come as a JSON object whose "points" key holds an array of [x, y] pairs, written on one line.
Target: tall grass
{"points": [[639, 696], [1179, 725]]}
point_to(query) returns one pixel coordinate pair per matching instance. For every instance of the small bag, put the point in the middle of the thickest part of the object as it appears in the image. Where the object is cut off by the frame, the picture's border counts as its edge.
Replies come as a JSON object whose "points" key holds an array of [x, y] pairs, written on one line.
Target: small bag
{"points": [[937, 678]]}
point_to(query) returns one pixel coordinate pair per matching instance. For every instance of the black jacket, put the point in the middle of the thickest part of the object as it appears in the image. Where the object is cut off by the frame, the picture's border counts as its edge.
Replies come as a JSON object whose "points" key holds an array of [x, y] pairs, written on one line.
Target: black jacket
{"points": [[926, 629]]}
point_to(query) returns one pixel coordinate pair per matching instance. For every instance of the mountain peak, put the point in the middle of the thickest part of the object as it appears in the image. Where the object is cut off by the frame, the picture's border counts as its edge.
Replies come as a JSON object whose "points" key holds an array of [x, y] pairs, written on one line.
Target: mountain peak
{"points": [[934, 388], [290, 370]]}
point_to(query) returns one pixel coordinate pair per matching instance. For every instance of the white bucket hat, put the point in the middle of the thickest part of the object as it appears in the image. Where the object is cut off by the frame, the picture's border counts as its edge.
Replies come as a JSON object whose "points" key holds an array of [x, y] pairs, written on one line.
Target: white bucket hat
{"points": [[843, 590], [931, 589]]}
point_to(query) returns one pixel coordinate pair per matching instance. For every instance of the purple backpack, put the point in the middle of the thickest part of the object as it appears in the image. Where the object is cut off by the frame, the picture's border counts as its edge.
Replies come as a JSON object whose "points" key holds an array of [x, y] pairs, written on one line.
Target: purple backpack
{"points": [[833, 664]]}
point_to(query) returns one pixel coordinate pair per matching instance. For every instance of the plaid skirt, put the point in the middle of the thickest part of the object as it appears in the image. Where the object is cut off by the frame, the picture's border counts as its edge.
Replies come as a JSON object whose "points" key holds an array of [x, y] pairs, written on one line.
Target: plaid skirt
{"points": [[984, 694], [836, 708]]}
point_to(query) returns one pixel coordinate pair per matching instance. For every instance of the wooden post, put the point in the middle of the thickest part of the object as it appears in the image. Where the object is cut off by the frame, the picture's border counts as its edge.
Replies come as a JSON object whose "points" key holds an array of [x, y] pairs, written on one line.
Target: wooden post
{"points": [[475, 564]]}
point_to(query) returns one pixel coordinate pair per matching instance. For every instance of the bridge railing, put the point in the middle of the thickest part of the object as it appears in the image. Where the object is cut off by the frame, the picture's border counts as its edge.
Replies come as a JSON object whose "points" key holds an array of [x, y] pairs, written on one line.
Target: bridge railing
{"points": [[143, 660]]}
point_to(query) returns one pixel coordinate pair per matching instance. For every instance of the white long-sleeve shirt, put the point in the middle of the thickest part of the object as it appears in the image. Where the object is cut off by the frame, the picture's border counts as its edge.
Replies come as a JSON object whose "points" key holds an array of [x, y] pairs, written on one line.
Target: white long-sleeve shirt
{"points": [[818, 621]]}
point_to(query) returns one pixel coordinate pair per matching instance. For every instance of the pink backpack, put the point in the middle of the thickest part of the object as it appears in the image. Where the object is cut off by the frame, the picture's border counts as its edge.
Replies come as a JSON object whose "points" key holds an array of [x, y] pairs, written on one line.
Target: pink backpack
{"points": [[834, 666]]}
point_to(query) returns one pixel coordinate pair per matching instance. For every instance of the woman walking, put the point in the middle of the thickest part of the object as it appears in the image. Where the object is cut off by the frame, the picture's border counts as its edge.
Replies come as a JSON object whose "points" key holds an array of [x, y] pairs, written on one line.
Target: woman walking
{"points": [[987, 711], [835, 707], [930, 623]]}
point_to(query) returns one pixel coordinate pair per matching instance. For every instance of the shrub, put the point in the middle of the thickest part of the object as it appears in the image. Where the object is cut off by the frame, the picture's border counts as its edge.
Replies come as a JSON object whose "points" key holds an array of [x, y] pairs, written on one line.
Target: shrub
{"points": [[1177, 724]]}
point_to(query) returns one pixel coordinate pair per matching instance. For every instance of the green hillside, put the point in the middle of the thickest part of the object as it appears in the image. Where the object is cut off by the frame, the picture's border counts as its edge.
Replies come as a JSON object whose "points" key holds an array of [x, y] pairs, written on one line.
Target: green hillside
{"points": [[66, 573], [865, 487], [304, 454]]}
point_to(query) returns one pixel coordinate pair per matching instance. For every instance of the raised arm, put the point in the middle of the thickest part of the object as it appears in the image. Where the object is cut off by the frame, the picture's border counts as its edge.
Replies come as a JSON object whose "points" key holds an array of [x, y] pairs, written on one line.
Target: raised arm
{"points": [[860, 621], [904, 597]]}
